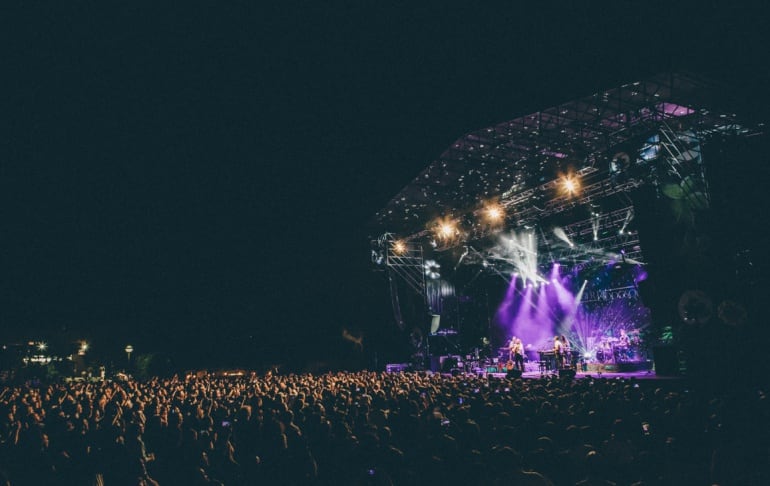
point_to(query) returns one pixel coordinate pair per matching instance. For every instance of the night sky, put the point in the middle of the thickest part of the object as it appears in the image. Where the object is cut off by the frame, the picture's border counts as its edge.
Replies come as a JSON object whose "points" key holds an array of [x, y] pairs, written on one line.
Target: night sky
{"points": [[199, 180]]}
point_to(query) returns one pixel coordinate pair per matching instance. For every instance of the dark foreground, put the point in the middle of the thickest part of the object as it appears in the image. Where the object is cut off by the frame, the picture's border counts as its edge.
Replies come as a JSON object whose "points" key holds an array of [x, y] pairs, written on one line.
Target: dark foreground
{"points": [[380, 428]]}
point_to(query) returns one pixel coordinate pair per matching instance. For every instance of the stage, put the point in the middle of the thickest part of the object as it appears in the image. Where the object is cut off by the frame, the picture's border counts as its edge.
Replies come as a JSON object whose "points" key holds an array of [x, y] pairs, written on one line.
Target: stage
{"points": [[533, 369], [529, 234]]}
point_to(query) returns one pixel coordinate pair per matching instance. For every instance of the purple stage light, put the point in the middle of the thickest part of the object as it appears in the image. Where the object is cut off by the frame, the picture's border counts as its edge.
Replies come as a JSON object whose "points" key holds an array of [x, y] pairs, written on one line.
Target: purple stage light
{"points": [[542, 311]]}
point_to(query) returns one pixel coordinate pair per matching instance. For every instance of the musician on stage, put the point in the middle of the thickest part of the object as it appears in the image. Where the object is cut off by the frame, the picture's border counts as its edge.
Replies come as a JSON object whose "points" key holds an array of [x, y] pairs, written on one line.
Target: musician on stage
{"points": [[624, 340], [558, 351], [516, 353], [621, 349], [567, 355]]}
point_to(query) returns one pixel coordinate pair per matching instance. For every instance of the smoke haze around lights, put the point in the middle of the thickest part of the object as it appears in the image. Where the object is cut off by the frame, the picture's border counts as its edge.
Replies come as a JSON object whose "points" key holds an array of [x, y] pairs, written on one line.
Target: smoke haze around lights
{"points": [[577, 307]]}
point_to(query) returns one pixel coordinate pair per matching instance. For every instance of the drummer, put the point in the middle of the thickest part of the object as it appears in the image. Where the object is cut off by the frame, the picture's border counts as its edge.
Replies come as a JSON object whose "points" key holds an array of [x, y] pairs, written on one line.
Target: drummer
{"points": [[624, 340], [606, 350]]}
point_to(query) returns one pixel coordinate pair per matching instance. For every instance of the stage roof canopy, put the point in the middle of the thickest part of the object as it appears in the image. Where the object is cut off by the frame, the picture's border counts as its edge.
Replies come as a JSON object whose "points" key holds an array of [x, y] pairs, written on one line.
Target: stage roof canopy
{"points": [[513, 163]]}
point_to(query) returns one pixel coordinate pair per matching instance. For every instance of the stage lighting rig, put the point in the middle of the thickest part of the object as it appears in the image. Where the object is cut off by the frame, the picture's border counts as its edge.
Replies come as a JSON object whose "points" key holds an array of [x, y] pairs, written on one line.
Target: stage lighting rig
{"points": [[494, 214], [570, 185], [432, 269]]}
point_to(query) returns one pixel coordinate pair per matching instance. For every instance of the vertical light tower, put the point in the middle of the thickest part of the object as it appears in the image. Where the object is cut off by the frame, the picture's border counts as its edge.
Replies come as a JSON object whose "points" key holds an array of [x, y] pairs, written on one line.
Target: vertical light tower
{"points": [[129, 350]]}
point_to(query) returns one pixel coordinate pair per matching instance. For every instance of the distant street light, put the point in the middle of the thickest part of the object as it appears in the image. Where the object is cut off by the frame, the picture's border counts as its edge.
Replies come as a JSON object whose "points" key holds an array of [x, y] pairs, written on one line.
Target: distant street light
{"points": [[129, 350]]}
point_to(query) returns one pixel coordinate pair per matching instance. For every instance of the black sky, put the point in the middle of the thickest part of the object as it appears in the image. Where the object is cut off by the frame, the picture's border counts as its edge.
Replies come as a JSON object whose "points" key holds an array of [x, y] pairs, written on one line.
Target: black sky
{"points": [[199, 178]]}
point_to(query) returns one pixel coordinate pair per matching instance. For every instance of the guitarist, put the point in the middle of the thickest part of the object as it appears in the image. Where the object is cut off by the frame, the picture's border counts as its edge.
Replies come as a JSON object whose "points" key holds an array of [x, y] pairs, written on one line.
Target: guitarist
{"points": [[516, 353], [558, 351]]}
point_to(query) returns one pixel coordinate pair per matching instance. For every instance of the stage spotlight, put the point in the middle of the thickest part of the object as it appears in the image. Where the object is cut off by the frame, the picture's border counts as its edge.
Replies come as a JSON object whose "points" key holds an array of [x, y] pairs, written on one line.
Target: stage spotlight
{"points": [[570, 185], [41, 346], [629, 217], [494, 213], [399, 247], [432, 269], [446, 229]]}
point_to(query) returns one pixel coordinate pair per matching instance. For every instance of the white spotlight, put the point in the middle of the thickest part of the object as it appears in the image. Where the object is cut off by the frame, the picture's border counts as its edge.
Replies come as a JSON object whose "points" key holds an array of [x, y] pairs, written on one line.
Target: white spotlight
{"points": [[432, 269]]}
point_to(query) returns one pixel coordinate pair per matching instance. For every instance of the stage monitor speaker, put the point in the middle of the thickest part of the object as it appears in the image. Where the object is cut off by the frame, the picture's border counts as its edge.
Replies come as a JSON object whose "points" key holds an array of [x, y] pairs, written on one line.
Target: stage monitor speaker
{"points": [[447, 363], [514, 373], [666, 360], [435, 364], [567, 373]]}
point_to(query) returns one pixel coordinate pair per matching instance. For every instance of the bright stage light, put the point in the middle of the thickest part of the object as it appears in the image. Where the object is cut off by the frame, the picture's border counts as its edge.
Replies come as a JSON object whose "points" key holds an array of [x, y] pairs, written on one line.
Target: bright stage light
{"points": [[570, 185], [432, 269], [629, 217], [494, 213], [399, 247], [562, 235], [41, 346], [445, 229]]}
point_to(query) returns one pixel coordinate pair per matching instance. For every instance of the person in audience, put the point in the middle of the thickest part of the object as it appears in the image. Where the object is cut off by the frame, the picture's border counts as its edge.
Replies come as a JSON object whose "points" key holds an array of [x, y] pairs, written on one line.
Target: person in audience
{"points": [[380, 428]]}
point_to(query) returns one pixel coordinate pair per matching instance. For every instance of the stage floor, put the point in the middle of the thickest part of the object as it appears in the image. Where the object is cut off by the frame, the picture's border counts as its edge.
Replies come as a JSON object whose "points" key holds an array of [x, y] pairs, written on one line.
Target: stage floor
{"points": [[638, 375], [628, 369]]}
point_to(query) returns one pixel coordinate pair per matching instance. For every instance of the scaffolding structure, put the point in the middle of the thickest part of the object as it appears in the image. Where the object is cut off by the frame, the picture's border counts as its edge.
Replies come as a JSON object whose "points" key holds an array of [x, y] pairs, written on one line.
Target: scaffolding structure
{"points": [[643, 133]]}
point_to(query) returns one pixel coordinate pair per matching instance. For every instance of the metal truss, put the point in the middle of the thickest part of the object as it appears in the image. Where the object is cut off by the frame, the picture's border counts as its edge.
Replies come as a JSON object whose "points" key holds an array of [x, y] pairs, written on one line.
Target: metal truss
{"points": [[509, 159], [518, 163], [682, 155], [608, 295], [408, 263]]}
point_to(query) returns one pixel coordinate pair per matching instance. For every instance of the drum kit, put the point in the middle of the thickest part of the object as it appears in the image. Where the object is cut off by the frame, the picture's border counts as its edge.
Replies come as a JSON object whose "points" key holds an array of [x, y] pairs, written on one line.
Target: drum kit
{"points": [[611, 349]]}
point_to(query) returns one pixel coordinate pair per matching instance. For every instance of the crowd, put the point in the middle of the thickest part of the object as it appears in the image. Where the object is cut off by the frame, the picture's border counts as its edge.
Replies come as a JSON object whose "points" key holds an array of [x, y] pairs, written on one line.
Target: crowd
{"points": [[382, 428]]}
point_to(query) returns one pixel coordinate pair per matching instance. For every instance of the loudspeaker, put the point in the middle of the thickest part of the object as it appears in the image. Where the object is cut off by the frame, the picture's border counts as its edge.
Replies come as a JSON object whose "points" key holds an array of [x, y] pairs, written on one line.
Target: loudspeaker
{"points": [[514, 373], [447, 363], [666, 360], [435, 364], [567, 373]]}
